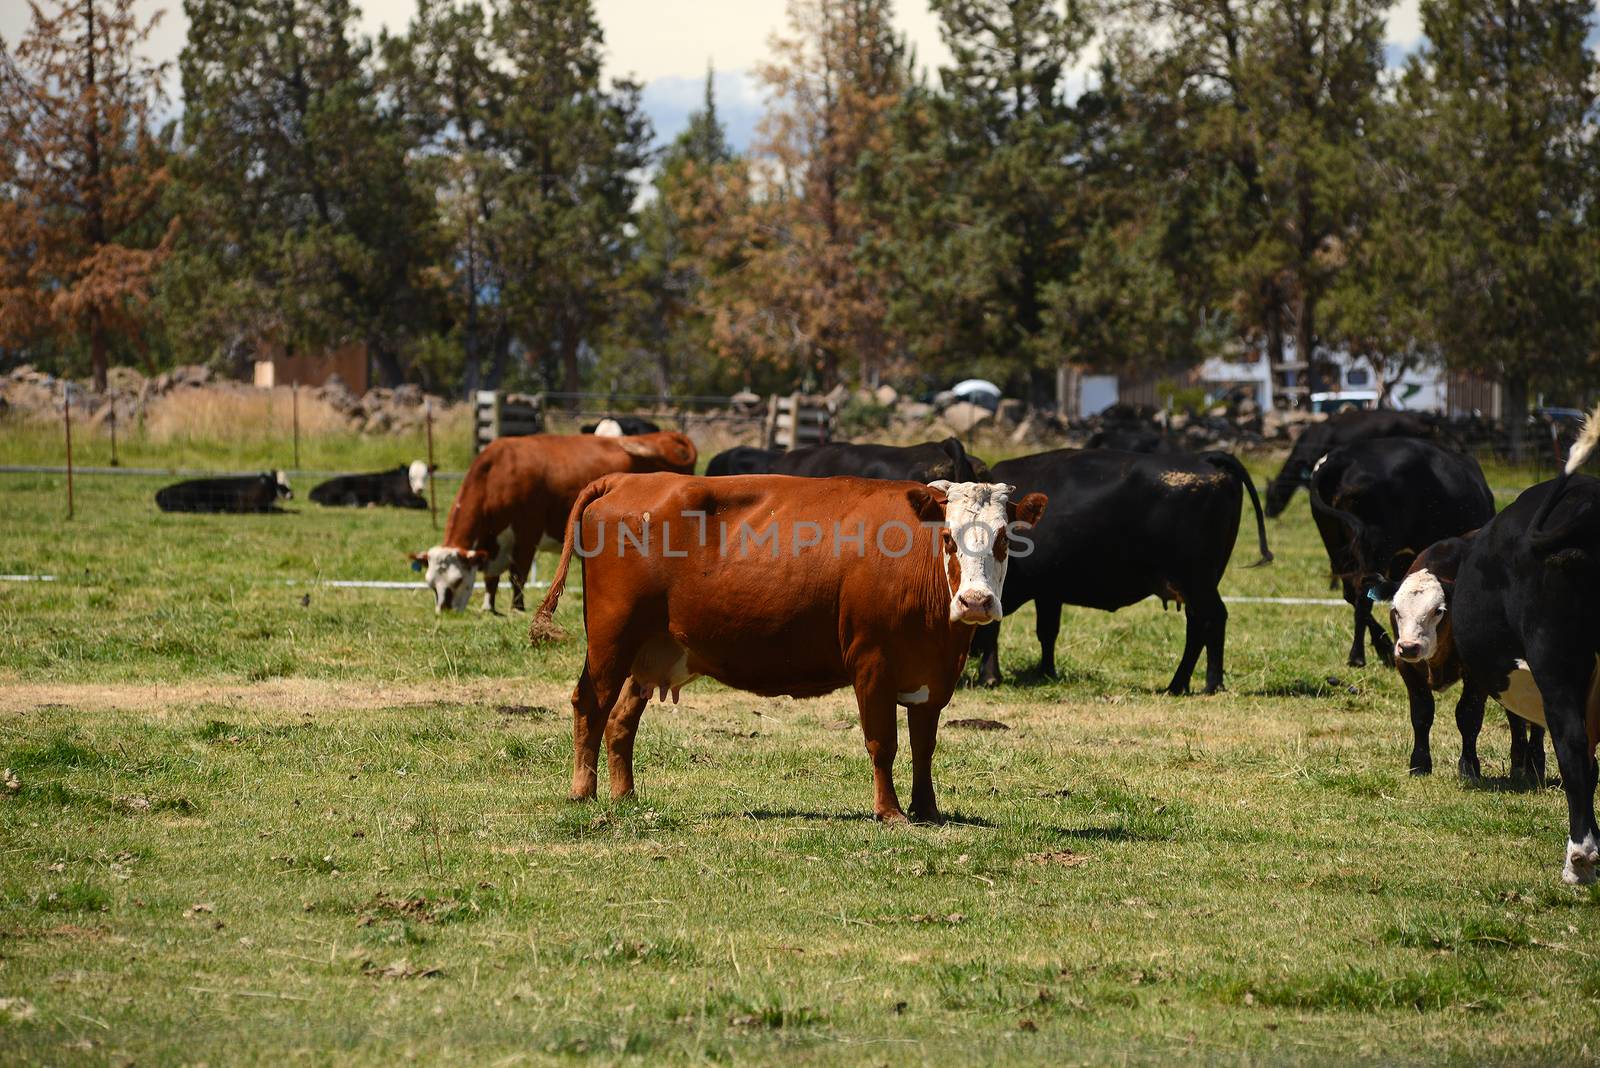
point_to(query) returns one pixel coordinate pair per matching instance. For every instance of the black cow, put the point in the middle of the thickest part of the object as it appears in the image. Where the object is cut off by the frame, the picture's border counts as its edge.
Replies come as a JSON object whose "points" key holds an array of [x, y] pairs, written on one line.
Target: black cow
{"points": [[1429, 662], [1379, 503], [1528, 632], [623, 426], [1135, 438], [742, 460], [398, 487], [1125, 526], [927, 462], [1344, 428], [245, 493]]}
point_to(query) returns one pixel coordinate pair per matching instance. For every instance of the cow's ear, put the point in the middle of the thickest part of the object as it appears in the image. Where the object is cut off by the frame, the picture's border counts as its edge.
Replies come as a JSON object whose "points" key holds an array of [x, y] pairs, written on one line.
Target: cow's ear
{"points": [[927, 504], [475, 557], [1382, 589], [953, 448], [418, 560], [1029, 510]]}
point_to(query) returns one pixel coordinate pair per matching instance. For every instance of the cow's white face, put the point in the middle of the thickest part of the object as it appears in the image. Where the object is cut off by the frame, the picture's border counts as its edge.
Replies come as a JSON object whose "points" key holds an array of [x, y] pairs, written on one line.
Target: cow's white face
{"points": [[975, 547], [608, 428], [451, 574], [1420, 605], [417, 473], [283, 485]]}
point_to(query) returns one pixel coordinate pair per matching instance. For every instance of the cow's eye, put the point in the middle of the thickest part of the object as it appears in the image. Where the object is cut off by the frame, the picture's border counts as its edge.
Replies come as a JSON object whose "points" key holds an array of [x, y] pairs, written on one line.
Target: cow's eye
{"points": [[1439, 611]]}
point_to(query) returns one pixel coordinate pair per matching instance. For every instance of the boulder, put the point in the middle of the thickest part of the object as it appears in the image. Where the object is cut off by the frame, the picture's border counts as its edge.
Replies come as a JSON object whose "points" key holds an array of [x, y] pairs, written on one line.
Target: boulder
{"points": [[964, 416], [886, 395]]}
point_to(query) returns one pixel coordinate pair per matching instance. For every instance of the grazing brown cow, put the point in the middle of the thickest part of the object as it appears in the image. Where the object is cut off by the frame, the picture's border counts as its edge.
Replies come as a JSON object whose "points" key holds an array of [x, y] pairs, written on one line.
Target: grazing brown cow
{"points": [[783, 585], [515, 498]]}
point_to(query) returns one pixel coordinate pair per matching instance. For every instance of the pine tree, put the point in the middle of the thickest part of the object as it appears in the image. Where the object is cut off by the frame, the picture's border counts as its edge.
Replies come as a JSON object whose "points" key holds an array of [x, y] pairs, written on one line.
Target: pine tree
{"points": [[81, 177], [565, 202], [662, 333], [305, 225], [983, 181], [1504, 94]]}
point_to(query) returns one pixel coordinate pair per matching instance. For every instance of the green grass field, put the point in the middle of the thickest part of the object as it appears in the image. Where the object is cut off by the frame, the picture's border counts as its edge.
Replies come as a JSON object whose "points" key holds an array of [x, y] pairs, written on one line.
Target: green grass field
{"points": [[243, 827]]}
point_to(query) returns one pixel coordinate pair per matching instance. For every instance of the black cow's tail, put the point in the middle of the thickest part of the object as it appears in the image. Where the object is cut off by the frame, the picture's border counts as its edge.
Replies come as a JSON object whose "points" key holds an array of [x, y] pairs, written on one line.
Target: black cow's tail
{"points": [[1582, 449], [542, 628], [1351, 522], [1229, 463]]}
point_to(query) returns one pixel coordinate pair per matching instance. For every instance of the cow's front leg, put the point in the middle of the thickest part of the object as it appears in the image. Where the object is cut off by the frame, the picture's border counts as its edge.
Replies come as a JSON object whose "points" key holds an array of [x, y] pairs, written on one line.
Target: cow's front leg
{"points": [[491, 586], [876, 702], [1469, 721], [1047, 626], [1358, 644], [1420, 697], [923, 721]]}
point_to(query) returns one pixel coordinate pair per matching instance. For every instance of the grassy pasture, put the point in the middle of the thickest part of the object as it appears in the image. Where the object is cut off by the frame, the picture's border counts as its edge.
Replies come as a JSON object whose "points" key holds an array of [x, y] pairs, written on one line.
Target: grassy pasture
{"points": [[246, 827]]}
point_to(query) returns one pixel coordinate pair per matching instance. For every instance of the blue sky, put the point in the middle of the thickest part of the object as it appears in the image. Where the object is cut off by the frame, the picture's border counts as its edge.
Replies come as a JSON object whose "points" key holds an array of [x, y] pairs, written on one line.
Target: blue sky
{"points": [[667, 45]]}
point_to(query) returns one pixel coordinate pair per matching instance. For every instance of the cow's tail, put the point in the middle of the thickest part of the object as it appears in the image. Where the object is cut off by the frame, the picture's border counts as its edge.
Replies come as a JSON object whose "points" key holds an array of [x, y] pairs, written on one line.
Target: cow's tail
{"points": [[1351, 522], [1582, 450], [543, 629], [1229, 463]]}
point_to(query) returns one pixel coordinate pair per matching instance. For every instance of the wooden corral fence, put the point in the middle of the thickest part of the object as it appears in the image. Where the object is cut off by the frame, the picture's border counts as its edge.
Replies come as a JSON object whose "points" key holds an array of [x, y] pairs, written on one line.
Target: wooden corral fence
{"points": [[797, 420], [506, 415]]}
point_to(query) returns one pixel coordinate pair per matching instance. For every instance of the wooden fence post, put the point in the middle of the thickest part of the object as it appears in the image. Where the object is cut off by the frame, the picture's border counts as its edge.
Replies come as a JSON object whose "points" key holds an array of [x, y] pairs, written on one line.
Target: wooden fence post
{"points": [[66, 416], [433, 498]]}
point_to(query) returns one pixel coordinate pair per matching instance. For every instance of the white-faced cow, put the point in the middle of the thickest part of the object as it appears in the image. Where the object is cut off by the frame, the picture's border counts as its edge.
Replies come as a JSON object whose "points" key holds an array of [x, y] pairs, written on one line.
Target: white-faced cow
{"points": [[780, 585], [398, 487], [516, 496], [244, 493], [1379, 503], [1124, 526], [1428, 661], [1527, 628]]}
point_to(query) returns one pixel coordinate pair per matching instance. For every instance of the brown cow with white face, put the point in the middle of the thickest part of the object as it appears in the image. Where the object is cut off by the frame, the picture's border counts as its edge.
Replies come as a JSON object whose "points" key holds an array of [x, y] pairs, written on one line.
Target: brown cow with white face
{"points": [[782, 585], [515, 499]]}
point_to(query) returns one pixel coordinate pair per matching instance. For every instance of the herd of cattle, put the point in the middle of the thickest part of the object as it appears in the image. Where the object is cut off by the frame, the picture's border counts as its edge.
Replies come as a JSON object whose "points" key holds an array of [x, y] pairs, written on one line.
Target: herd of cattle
{"points": [[883, 568]]}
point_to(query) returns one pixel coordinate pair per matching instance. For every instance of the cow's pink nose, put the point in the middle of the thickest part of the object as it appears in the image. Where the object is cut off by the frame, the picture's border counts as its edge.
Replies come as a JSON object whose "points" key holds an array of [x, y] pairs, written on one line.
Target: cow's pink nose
{"points": [[1408, 650], [977, 603]]}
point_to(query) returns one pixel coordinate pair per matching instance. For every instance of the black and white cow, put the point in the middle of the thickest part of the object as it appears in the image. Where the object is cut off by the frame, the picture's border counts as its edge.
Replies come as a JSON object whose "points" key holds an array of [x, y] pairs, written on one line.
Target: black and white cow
{"points": [[927, 462], [742, 460], [1527, 628], [1426, 655], [398, 487], [621, 426], [244, 493], [1379, 503], [1124, 526], [1342, 428]]}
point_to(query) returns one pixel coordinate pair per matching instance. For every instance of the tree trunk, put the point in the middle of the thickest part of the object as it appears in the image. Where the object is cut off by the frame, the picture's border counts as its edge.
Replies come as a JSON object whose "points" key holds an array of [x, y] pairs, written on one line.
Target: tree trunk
{"points": [[97, 354], [1514, 412], [389, 373], [571, 382]]}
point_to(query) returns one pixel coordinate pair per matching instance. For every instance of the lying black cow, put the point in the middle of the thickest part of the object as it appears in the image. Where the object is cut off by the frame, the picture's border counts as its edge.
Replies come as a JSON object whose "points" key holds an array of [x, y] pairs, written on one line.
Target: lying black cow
{"points": [[1343, 428], [622, 426], [399, 487], [1527, 631], [1126, 526], [927, 462], [742, 460], [245, 493], [1426, 655], [1379, 503]]}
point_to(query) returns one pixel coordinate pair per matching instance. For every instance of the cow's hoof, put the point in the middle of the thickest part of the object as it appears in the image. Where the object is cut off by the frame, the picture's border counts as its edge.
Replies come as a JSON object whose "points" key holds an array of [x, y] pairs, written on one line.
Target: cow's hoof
{"points": [[1178, 691], [579, 796], [1469, 770], [892, 817], [990, 681], [1422, 767], [1357, 661], [1581, 860], [933, 816]]}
